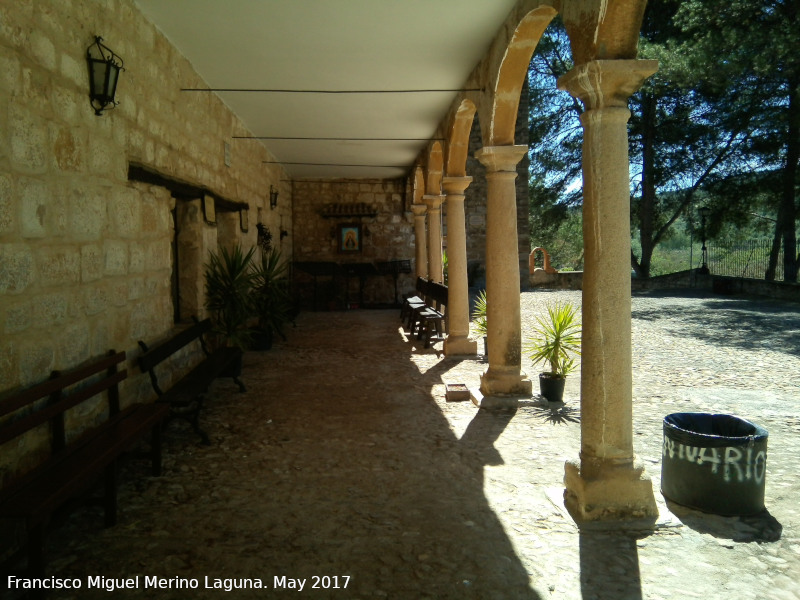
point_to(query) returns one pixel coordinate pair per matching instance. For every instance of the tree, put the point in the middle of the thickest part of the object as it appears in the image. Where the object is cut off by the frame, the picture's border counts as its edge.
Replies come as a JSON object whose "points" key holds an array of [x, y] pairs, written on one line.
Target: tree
{"points": [[555, 136], [684, 135], [748, 54], [712, 125]]}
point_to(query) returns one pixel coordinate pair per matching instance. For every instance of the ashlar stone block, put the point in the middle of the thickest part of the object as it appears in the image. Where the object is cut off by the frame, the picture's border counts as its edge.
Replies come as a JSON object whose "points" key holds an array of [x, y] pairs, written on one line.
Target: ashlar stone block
{"points": [[36, 361], [29, 141], [9, 365], [59, 266], [8, 218], [18, 318], [34, 195], [91, 262], [137, 257], [50, 309], [74, 70], [87, 215], [42, 50], [73, 344], [123, 213], [116, 257], [68, 149], [16, 268], [95, 299]]}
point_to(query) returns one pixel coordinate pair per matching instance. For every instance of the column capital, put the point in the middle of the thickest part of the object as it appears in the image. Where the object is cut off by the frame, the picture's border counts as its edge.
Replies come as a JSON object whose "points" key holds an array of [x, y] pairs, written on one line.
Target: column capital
{"points": [[433, 201], [419, 210], [455, 185], [606, 83], [501, 158]]}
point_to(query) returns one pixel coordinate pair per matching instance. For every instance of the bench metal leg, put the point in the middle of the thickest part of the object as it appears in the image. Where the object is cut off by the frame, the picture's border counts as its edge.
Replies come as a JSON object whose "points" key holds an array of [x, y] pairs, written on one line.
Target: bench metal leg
{"points": [[110, 498], [36, 549], [155, 449], [238, 382], [194, 421]]}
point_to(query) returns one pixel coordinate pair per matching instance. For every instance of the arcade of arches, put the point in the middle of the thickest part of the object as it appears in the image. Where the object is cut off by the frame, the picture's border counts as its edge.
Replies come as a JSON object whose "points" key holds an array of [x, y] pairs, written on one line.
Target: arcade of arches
{"points": [[98, 277]]}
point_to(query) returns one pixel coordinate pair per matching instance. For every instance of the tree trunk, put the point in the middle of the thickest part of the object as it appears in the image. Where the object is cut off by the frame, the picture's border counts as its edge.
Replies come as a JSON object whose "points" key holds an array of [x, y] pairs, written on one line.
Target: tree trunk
{"points": [[647, 206], [790, 185]]}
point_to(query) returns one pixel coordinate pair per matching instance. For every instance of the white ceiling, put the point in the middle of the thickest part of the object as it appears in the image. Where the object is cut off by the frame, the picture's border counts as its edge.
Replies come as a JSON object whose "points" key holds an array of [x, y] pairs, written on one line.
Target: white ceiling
{"points": [[334, 45]]}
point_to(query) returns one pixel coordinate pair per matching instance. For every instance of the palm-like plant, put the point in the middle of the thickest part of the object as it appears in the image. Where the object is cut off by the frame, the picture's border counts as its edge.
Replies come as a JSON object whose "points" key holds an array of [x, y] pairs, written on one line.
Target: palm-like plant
{"points": [[479, 314], [229, 278], [270, 291], [557, 339]]}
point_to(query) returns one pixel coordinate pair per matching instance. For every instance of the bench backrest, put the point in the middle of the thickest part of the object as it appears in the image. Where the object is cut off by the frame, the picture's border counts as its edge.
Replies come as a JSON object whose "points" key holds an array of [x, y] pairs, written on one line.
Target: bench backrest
{"points": [[59, 401], [152, 357], [437, 294], [422, 286]]}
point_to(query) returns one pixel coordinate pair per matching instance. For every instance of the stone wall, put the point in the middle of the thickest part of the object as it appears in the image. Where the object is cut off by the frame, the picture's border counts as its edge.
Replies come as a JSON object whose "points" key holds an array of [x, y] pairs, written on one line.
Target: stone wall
{"points": [[86, 259], [475, 208], [379, 207]]}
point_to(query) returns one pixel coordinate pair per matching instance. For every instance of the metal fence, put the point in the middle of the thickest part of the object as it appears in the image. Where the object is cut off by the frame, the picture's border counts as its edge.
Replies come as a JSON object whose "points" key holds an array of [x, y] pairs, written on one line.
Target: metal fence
{"points": [[742, 259]]}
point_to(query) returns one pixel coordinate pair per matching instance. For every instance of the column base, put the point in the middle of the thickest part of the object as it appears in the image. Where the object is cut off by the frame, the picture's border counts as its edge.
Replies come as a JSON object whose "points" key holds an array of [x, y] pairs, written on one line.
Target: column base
{"points": [[460, 345], [502, 403], [613, 492], [512, 382]]}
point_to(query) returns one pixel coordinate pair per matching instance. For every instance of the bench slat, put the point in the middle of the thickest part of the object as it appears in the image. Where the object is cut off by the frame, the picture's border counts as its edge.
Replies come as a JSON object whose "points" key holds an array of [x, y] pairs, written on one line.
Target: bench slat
{"points": [[159, 353], [59, 479], [45, 414], [58, 382]]}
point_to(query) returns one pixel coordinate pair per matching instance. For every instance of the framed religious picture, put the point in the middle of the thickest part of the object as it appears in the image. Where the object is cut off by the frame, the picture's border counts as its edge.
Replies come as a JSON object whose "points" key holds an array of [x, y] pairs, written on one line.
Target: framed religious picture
{"points": [[349, 240]]}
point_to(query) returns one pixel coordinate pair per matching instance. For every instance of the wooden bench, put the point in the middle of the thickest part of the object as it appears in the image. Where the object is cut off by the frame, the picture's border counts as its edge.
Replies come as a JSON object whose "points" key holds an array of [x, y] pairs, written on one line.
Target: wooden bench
{"points": [[431, 318], [414, 302], [73, 461], [185, 397]]}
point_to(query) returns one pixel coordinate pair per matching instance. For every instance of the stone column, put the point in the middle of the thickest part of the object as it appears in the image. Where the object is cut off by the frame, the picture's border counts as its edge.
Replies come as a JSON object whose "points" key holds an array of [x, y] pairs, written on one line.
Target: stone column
{"points": [[606, 483], [434, 204], [504, 375], [420, 242], [457, 341]]}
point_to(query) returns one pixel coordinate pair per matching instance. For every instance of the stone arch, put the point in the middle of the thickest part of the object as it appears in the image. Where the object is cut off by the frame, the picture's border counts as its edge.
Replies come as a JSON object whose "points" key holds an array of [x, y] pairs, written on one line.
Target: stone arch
{"points": [[458, 142], [435, 164], [597, 30], [511, 74]]}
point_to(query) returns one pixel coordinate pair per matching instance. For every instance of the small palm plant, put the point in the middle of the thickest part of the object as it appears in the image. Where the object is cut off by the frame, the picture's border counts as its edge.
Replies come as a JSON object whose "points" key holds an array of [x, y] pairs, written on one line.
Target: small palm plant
{"points": [[557, 339], [270, 291], [479, 313], [229, 279]]}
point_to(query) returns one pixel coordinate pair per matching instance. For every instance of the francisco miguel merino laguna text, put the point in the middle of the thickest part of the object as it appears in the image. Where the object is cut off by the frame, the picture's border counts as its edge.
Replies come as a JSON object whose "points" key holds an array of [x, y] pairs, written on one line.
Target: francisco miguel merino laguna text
{"points": [[153, 582]]}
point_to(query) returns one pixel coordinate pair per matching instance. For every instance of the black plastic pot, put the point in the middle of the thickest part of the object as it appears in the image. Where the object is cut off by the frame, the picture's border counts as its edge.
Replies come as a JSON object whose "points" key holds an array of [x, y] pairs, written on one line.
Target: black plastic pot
{"points": [[260, 339], [552, 387], [714, 463]]}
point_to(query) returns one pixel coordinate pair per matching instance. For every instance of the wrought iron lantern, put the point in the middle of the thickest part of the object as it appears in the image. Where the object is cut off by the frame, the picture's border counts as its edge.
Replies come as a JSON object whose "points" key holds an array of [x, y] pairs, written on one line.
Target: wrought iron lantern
{"points": [[273, 197], [104, 68]]}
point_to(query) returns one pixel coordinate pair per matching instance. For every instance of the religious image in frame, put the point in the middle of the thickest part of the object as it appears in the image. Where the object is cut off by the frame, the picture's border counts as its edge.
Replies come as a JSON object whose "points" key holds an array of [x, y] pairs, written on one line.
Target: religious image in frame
{"points": [[349, 238]]}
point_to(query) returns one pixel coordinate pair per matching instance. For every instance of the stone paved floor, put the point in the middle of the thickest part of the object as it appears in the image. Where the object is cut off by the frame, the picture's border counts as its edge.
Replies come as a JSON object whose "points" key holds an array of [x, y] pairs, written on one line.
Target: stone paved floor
{"points": [[344, 460]]}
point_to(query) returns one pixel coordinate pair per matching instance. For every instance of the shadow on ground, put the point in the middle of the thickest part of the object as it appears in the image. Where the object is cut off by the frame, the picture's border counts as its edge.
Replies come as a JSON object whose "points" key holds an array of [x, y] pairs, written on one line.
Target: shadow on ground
{"points": [[604, 553], [762, 527], [747, 323], [337, 461]]}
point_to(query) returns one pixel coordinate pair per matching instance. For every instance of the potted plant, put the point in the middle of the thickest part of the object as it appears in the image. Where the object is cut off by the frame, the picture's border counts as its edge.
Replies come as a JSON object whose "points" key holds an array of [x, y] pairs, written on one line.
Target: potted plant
{"points": [[229, 279], [479, 318], [270, 298], [556, 342]]}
